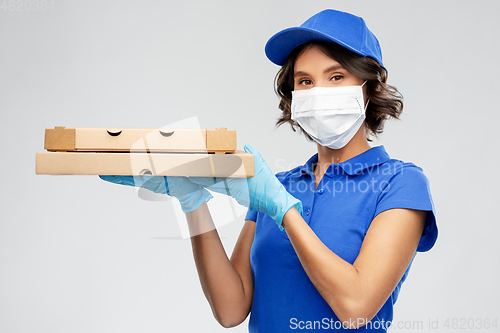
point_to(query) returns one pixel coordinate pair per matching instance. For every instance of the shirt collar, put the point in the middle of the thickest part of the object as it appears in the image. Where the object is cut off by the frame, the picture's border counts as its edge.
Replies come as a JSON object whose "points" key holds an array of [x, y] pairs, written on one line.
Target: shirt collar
{"points": [[353, 166]]}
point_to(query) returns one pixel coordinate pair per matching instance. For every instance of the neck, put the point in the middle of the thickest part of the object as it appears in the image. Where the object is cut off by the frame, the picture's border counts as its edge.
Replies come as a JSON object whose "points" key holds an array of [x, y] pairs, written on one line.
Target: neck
{"points": [[327, 156]]}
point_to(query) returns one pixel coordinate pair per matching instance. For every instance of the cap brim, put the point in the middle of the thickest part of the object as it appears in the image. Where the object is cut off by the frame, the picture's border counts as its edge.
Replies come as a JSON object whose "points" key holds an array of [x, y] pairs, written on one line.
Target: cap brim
{"points": [[279, 46]]}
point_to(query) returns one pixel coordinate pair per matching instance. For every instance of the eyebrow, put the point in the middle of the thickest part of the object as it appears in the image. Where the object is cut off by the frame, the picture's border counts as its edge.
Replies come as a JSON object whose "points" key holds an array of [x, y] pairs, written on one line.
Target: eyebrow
{"points": [[328, 70]]}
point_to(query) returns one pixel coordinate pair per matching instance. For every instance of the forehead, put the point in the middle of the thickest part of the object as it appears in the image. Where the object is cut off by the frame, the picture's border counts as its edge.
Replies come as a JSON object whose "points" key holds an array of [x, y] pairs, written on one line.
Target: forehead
{"points": [[314, 57]]}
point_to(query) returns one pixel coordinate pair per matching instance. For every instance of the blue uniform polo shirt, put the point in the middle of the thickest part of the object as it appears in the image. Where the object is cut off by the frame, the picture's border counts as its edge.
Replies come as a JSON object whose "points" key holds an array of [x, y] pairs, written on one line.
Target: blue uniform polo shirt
{"points": [[340, 211]]}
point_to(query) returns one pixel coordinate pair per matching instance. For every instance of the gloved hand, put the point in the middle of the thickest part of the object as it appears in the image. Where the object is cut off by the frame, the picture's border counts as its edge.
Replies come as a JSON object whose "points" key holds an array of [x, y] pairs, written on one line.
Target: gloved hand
{"points": [[189, 194], [263, 193]]}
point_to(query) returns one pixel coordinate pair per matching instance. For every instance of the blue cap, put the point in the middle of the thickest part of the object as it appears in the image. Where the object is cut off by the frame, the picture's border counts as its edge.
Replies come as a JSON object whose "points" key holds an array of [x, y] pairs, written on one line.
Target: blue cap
{"points": [[330, 25]]}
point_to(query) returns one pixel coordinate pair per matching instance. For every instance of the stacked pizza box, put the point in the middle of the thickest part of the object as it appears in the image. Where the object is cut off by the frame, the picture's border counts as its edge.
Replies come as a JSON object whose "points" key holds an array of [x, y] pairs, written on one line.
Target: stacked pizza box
{"points": [[141, 151]]}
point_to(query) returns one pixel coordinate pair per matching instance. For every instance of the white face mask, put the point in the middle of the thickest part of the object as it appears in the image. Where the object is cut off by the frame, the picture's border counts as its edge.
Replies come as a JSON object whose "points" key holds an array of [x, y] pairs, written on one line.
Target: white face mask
{"points": [[330, 115]]}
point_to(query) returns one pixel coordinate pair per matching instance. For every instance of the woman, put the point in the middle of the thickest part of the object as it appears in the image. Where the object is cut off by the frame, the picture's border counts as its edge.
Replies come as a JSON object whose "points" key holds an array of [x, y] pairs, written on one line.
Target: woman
{"points": [[350, 220]]}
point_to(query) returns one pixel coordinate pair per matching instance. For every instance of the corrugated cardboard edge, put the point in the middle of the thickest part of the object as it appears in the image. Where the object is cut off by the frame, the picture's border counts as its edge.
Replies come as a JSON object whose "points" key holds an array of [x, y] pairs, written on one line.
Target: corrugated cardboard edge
{"points": [[235, 165], [60, 138]]}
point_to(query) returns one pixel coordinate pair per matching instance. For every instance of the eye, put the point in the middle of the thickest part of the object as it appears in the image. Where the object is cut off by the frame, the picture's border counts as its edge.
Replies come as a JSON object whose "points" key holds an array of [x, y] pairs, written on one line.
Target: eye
{"points": [[305, 82], [337, 78]]}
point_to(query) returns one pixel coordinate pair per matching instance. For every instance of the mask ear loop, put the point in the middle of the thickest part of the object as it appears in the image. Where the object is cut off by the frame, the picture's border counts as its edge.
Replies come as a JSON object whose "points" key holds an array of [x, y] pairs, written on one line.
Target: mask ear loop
{"points": [[368, 100]]}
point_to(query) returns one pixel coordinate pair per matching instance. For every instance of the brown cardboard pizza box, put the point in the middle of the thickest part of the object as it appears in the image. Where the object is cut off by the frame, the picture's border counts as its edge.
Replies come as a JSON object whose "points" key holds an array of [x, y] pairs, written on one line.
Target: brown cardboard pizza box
{"points": [[219, 140], [238, 164]]}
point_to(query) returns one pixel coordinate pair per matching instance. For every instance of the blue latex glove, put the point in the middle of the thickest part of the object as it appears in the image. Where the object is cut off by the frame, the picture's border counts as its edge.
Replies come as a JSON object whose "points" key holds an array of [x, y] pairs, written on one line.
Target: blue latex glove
{"points": [[189, 194], [263, 193]]}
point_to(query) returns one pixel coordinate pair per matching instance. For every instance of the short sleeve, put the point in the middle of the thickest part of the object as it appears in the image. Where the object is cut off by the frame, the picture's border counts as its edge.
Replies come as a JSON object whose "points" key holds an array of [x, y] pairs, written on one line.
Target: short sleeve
{"points": [[409, 188], [251, 215]]}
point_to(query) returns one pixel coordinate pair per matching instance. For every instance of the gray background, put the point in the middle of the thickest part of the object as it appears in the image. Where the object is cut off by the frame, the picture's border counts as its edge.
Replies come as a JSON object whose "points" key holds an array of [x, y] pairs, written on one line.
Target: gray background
{"points": [[81, 255]]}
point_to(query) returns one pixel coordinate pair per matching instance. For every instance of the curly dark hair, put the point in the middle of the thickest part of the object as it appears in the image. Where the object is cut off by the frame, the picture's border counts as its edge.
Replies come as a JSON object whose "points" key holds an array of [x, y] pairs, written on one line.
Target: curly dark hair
{"points": [[385, 100]]}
